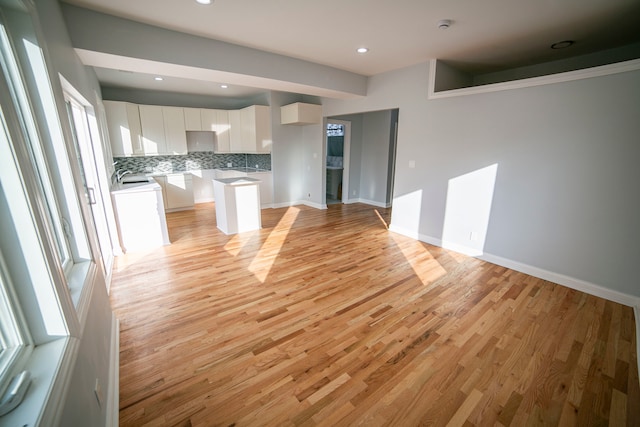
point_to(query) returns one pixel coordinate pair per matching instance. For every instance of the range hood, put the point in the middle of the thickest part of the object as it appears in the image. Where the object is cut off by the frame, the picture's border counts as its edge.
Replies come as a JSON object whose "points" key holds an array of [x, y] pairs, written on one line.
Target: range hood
{"points": [[198, 141]]}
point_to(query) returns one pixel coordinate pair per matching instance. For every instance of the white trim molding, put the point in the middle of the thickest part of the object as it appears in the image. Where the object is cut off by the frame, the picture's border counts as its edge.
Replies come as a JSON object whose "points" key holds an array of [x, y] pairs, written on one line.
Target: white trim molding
{"points": [[603, 70], [368, 202], [113, 398]]}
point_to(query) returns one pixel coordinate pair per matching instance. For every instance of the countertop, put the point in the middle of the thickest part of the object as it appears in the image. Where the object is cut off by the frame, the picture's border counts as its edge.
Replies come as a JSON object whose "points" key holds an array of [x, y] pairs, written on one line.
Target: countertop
{"points": [[238, 181], [134, 187], [244, 169]]}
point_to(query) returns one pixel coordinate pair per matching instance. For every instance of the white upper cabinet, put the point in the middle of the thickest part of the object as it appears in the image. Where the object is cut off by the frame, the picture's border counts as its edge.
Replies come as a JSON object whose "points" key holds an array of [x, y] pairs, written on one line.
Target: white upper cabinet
{"points": [[174, 130], [300, 113], [260, 134], [152, 121], [223, 141], [255, 125], [192, 119], [163, 130], [235, 132], [123, 122], [208, 119], [147, 130]]}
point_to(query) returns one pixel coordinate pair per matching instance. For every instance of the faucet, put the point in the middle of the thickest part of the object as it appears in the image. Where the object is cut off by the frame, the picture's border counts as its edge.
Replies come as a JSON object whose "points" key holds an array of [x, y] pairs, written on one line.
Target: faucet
{"points": [[120, 173]]}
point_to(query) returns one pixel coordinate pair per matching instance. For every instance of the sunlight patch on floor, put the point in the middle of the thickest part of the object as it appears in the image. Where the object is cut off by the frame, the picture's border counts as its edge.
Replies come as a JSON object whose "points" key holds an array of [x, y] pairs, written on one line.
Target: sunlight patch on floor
{"points": [[381, 219], [238, 241], [426, 267], [266, 256]]}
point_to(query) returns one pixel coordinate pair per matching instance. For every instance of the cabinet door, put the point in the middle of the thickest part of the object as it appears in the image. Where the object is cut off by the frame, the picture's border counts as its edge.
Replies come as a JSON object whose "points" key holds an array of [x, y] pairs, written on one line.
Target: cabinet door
{"points": [[248, 118], [123, 124], [174, 130], [235, 132], [266, 188], [256, 129], [223, 144], [179, 191], [162, 180], [208, 118], [135, 129], [192, 119], [152, 122]]}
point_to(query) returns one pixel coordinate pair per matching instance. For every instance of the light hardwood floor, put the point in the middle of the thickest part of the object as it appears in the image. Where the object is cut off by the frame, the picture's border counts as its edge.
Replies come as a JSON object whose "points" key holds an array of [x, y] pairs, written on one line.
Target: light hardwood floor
{"points": [[327, 318]]}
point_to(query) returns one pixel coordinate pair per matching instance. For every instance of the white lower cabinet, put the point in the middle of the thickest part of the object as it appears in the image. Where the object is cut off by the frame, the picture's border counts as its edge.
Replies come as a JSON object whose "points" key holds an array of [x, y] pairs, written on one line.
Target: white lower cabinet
{"points": [[141, 221], [266, 188], [203, 185], [177, 191], [266, 183]]}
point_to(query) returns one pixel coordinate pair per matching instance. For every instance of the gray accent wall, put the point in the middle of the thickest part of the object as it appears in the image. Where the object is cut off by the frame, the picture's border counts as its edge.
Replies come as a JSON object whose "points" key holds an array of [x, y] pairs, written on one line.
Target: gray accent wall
{"points": [[370, 156], [102, 33], [565, 198], [374, 158]]}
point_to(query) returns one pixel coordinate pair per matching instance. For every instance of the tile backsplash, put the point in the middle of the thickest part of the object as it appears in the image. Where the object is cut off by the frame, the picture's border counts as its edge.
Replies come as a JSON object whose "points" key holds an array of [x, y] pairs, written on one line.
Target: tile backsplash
{"points": [[191, 161]]}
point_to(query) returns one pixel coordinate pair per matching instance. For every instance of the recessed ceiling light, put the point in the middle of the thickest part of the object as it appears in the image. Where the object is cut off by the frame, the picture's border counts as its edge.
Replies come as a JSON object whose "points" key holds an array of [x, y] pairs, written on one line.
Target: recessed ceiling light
{"points": [[204, 1], [158, 78], [563, 44], [224, 86], [362, 50]]}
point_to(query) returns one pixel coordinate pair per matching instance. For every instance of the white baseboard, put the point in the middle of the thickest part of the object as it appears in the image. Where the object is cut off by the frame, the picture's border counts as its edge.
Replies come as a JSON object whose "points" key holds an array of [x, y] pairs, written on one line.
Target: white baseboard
{"points": [[203, 200], [313, 204], [368, 202], [561, 279], [570, 282], [113, 398]]}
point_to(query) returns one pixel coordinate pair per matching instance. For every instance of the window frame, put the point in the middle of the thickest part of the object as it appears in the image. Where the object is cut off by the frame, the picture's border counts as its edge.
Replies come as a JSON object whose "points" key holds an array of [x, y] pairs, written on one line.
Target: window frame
{"points": [[48, 356]]}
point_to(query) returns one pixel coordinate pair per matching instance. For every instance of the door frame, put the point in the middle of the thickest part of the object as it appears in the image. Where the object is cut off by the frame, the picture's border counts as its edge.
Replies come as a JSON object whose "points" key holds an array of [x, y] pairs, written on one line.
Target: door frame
{"points": [[346, 156]]}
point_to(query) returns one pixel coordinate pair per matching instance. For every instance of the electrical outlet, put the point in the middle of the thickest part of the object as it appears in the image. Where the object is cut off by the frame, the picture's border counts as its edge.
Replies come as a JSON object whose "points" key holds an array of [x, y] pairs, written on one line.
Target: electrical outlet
{"points": [[229, 165], [473, 236], [98, 392], [257, 167], [309, 195]]}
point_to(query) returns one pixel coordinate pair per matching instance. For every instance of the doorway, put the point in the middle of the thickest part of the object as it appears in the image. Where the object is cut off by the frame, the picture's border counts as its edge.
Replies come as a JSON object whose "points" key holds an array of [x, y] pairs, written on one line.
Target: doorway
{"points": [[94, 174], [337, 149]]}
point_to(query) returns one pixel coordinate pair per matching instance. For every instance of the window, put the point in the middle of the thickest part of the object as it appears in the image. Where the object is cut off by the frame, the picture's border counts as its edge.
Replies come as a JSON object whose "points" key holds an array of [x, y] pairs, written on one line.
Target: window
{"points": [[45, 252], [334, 129]]}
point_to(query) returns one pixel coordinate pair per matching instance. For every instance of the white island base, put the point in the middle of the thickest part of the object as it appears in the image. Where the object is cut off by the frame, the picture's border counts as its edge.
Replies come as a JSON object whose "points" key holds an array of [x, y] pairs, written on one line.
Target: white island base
{"points": [[237, 204]]}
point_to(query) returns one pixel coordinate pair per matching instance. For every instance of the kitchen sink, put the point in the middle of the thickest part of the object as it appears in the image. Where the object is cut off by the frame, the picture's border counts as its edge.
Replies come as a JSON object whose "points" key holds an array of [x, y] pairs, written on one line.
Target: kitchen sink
{"points": [[136, 179]]}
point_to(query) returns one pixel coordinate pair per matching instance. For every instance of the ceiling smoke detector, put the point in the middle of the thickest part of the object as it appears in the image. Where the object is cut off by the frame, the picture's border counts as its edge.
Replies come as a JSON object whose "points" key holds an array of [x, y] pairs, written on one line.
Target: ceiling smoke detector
{"points": [[443, 24], [562, 45]]}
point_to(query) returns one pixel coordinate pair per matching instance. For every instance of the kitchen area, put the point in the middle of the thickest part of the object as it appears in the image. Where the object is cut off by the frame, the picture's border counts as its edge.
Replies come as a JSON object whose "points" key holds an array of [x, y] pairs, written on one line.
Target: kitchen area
{"points": [[168, 158]]}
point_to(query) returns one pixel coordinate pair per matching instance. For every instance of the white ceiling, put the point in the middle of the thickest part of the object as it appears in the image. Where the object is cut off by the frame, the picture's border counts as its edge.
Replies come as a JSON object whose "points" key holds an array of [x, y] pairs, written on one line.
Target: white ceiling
{"points": [[484, 35]]}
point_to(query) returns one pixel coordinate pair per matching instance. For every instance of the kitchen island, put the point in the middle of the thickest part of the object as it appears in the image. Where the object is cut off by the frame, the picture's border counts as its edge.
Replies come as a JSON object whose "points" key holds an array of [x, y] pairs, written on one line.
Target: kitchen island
{"points": [[237, 204], [139, 209]]}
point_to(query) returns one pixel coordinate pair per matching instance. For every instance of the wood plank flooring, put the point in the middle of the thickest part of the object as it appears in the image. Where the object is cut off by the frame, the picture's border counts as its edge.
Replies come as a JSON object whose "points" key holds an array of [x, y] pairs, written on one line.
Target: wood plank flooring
{"points": [[327, 318]]}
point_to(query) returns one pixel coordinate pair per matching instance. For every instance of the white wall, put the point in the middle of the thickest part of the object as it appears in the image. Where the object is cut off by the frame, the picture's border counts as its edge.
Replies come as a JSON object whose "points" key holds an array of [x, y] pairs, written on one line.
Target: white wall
{"points": [[287, 154], [313, 141], [566, 197], [375, 156]]}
